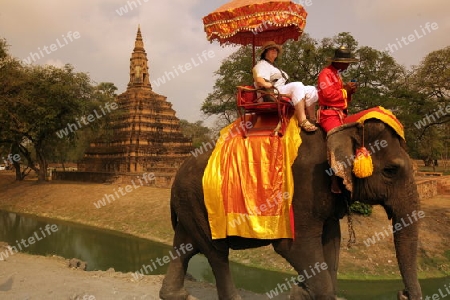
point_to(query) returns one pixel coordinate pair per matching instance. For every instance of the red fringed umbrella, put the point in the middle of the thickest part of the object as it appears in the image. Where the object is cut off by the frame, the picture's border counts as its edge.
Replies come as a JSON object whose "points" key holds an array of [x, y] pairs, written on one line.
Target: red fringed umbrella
{"points": [[245, 22]]}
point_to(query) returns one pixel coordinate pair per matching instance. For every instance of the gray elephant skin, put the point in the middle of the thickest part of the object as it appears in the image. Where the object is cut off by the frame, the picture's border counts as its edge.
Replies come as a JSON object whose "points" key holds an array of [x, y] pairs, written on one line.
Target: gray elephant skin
{"points": [[316, 213]]}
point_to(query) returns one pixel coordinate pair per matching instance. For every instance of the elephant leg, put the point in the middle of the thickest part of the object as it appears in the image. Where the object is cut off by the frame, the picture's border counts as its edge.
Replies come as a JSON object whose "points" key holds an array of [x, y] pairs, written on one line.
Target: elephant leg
{"points": [[298, 292], [306, 255], [173, 283], [331, 240], [218, 259]]}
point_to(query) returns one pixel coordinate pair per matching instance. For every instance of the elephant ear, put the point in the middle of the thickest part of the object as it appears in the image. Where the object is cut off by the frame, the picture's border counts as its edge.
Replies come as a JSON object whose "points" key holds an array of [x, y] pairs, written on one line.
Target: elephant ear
{"points": [[341, 145]]}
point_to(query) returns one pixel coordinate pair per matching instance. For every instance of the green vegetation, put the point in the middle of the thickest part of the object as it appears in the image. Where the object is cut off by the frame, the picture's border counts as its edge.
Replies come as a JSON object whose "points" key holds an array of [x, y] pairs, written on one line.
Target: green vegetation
{"points": [[197, 132], [447, 254], [44, 113], [361, 208]]}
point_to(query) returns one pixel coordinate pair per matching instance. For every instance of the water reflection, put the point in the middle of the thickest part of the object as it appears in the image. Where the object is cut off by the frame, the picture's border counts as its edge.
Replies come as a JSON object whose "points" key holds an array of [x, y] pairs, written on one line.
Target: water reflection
{"points": [[386, 289], [100, 249], [103, 249]]}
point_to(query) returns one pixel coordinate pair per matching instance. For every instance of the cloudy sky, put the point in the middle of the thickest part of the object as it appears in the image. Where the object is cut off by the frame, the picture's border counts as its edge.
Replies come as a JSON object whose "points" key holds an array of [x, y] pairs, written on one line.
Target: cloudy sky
{"points": [[97, 36]]}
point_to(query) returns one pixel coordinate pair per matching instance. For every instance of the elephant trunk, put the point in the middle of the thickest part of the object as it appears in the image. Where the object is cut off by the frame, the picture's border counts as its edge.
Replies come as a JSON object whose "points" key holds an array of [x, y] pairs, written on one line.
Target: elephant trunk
{"points": [[406, 230]]}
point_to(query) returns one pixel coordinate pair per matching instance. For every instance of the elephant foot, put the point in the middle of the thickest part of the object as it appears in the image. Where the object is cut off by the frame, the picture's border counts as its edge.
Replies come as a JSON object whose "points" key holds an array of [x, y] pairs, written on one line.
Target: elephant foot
{"points": [[235, 297], [180, 295], [298, 293], [402, 295]]}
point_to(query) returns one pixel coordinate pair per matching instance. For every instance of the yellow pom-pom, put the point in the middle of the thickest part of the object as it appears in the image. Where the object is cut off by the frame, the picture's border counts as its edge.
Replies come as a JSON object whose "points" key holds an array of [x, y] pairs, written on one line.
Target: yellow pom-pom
{"points": [[362, 166]]}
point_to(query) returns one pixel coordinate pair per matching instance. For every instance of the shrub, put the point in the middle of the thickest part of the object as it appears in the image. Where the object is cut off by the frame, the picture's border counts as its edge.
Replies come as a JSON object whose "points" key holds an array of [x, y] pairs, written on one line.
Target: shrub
{"points": [[361, 208]]}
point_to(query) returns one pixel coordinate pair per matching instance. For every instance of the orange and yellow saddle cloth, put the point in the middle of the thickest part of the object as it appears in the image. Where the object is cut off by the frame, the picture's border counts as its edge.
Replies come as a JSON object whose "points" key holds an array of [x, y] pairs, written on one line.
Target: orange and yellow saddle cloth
{"points": [[248, 183], [380, 113]]}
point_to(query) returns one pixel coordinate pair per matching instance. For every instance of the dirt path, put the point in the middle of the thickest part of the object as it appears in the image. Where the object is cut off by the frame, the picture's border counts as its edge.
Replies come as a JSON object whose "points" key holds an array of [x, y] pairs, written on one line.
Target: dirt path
{"points": [[43, 278]]}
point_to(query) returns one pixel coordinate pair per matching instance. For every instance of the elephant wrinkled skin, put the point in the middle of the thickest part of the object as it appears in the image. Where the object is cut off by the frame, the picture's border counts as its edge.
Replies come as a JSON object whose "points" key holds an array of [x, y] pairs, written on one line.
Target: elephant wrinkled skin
{"points": [[316, 213]]}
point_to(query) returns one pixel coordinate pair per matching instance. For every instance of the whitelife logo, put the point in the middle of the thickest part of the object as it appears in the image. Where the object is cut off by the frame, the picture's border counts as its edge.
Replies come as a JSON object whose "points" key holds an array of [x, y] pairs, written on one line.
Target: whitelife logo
{"points": [[46, 50], [35, 237]]}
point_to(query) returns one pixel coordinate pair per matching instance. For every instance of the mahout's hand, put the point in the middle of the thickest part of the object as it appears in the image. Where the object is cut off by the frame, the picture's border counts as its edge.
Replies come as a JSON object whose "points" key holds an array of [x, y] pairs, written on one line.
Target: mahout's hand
{"points": [[351, 87]]}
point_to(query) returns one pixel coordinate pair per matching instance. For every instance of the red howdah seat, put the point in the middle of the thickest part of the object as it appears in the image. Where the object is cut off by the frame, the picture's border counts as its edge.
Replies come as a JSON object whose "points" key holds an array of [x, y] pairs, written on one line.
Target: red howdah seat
{"points": [[268, 112]]}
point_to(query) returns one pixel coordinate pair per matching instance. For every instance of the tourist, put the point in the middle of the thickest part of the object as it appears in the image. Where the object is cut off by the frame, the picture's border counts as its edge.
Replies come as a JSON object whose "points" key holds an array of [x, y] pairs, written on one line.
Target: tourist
{"points": [[268, 76]]}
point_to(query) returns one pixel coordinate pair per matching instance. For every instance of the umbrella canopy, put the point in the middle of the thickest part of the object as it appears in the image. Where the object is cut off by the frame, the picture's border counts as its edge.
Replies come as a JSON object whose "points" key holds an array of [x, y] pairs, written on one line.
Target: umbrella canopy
{"points": [[245, 22]]}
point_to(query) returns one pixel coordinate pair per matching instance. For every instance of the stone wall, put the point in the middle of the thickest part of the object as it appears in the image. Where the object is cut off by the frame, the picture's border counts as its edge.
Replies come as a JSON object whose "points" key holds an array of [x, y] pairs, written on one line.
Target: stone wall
{"points": [[427, 188], [443, 186], [430, 187]]}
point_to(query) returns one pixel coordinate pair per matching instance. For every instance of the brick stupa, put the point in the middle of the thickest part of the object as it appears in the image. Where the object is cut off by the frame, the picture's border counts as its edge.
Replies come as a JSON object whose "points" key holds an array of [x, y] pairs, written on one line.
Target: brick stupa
{"points": [[146, 133]]}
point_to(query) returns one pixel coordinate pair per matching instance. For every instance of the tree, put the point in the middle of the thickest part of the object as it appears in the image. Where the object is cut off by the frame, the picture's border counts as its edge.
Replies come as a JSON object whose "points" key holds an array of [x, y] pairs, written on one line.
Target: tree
{"points": [[3, 50], [12, 77], [43, 109], [106, 89], [427, 114], [303, 60], [73, 148], [49, 100], [432, 76], [196, 131], [234, 71]]}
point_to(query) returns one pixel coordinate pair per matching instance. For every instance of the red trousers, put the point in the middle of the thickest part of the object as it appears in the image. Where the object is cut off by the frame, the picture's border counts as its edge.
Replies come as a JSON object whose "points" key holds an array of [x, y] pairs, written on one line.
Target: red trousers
{"points": [[329, 119]]}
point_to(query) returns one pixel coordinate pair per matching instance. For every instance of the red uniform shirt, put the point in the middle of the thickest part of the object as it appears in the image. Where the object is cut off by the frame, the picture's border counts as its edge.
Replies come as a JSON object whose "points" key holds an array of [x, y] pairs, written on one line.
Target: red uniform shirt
{"points": [[331, 95], [330, 89]]}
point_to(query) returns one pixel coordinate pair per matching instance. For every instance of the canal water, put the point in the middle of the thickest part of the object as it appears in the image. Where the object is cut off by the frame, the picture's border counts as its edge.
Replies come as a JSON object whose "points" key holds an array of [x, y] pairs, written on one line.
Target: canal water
{"points": [[103, 249]]}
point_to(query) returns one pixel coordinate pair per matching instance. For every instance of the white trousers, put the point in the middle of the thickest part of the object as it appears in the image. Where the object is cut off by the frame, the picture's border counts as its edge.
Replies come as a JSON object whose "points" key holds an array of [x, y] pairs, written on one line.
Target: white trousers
{"points": [[297, 91]]}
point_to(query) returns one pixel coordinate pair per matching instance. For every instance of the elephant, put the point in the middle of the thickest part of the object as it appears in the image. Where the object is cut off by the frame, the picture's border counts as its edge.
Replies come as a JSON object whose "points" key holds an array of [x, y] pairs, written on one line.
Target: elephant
{"points": [[316, 211]]}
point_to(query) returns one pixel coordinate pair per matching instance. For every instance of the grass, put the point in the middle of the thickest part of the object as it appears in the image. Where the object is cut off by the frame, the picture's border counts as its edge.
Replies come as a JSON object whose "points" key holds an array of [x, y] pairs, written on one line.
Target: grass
{"points": [[444, 171], [443, 167]]}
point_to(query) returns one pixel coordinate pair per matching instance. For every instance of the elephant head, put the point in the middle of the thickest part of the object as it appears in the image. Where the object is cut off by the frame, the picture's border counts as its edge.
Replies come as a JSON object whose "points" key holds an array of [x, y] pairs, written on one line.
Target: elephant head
{"points": [[391, 185]]}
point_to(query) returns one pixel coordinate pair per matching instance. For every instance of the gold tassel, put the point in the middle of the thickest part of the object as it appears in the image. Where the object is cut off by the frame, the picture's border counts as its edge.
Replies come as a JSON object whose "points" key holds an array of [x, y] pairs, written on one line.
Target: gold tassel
{"points": [[362, 166]]}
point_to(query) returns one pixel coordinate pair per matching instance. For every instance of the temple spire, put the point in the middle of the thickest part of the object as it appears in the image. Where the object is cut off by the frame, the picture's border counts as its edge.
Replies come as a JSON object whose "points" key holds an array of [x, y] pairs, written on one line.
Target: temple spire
{"points": [[139, 44], [139, 76]]}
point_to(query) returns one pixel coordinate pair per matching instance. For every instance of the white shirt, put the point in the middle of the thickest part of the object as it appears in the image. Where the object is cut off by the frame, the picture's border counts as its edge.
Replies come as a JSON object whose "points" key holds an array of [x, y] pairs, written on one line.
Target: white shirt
{"points": [[270, 73]]}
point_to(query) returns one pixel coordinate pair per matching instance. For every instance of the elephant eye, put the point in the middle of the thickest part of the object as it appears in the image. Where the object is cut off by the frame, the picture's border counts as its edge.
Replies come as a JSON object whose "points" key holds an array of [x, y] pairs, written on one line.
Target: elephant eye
{"points": [[391, 170]]}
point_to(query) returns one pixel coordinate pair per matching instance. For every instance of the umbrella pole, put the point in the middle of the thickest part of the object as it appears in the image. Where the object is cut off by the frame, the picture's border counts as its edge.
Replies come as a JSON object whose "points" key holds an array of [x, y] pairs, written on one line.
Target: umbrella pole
{"points": [[253, 51], [254, 62]]}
